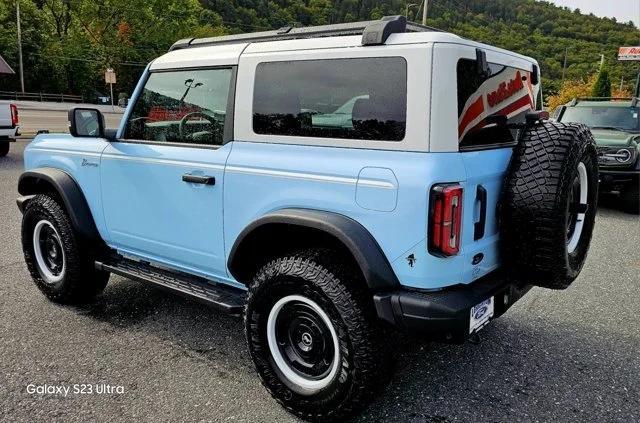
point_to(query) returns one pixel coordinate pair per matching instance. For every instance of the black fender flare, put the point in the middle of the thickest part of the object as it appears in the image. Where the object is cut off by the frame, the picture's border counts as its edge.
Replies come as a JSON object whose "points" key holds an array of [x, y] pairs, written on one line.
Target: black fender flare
{"points": [[366, 251], [38, 181]]}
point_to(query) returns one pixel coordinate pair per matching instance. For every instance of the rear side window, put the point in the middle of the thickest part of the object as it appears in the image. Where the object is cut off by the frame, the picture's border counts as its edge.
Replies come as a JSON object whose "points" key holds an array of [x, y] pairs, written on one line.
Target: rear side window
{"points": [[488, 103], [363, 99]]}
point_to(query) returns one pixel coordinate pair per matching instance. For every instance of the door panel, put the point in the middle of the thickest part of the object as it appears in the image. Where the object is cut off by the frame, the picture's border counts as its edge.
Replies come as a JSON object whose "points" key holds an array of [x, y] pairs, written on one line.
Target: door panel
{"points": [[150, 211], [162, 182]]}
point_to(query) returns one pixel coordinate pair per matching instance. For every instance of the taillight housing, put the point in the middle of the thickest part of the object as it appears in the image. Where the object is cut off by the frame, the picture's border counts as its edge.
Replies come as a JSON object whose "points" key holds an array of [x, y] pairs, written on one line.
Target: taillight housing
{"points": [[14, 115], [445, 219]]}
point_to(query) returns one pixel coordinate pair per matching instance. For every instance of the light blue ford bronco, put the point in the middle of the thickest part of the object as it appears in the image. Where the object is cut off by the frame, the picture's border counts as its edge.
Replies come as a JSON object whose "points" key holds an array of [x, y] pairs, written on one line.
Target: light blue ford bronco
{"points": [[330, 184]]}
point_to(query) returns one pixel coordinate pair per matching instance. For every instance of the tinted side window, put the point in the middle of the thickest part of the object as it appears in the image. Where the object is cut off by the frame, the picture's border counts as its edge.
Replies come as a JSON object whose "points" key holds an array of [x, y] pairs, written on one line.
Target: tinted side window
{"points": [[339, 98], [487, 103], [182, 107]]}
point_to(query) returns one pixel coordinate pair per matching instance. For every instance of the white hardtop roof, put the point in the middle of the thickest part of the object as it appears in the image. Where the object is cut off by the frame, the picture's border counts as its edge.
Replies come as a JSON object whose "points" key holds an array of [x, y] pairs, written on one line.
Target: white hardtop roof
{"points": [[229, 54]]}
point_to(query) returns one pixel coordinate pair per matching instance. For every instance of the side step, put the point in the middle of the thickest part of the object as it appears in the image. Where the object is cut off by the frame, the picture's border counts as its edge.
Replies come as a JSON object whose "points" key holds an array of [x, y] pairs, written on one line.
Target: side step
{"points": [[220, 296]]}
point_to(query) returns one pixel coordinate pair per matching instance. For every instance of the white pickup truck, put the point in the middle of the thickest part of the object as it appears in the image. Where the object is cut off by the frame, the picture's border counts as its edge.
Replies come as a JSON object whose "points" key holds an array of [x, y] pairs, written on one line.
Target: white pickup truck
{"points": [[9, 128]]}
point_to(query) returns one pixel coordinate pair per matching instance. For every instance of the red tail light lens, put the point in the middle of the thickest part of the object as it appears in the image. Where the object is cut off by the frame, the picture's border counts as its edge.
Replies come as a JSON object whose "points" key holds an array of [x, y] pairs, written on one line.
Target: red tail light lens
{"points": [[14, 115], [445, 219]]}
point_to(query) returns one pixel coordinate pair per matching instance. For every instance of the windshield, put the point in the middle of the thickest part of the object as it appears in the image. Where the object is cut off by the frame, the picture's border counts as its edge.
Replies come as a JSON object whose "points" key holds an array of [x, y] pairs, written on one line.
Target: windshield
{"points": [[623, 118]]}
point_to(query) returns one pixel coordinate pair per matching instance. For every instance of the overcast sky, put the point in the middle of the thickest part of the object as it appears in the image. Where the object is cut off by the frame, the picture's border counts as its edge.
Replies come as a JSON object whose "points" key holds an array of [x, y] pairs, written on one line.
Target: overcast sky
{"points": [[622, 10]]}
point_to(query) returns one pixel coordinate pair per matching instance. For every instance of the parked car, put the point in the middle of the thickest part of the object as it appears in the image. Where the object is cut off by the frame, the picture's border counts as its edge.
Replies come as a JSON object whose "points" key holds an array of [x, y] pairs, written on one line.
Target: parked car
{"points": [[615, 124], [9, 128], [432, 210]]}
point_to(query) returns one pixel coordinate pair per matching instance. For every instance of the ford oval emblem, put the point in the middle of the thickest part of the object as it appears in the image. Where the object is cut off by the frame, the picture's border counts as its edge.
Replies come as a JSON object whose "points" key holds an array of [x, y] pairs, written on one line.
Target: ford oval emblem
{"points": [[480, 312]]}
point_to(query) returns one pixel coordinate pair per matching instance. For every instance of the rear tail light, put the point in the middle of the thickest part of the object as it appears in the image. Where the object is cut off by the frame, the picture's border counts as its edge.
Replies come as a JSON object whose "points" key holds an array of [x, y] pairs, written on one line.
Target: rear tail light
{"points": [[14, 115], [445, 219]]}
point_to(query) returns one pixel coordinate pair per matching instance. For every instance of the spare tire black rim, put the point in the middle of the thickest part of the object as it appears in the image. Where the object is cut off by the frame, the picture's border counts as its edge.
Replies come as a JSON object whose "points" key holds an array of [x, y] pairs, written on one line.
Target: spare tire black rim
{"points": [[577, 208]]}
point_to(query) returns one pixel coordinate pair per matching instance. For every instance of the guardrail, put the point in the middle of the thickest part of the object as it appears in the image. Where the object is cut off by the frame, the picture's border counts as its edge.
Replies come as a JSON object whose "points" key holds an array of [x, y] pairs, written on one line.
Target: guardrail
{"points": [[62, 98]]}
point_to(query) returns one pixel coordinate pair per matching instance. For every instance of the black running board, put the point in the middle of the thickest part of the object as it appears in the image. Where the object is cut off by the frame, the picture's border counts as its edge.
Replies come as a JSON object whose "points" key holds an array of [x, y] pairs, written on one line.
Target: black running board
{"points": [[222, 297]]}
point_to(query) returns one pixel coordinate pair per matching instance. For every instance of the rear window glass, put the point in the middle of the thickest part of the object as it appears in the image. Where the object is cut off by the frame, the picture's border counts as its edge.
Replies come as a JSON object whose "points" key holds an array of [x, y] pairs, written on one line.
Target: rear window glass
{"points": [[488, 103], [363, 99]]}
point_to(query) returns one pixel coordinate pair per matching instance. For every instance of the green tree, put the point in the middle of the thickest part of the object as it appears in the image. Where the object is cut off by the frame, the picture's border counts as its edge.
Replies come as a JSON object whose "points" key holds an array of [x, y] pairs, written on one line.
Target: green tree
{"points": [[602, 86]]}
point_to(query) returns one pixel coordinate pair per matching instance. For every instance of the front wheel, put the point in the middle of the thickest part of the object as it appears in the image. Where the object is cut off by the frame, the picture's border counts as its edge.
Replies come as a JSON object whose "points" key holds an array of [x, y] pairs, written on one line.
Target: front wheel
{"points": [[4, 147], [313, 336], [60, 268]]}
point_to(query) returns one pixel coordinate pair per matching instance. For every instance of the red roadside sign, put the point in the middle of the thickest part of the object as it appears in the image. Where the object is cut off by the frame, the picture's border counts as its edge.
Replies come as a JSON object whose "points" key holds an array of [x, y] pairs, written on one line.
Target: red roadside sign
{"points": [[629, 53]]}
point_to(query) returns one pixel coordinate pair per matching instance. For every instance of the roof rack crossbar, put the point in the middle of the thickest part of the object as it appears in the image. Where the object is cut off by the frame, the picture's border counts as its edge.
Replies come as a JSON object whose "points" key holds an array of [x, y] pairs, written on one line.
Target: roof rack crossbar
{"points": [[373, 32]]}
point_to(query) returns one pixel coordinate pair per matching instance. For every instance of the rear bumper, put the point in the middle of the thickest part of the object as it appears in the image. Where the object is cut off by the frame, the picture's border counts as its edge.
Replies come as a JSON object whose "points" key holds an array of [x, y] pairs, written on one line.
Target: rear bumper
{"points": [[445, 315], [9, 132]]}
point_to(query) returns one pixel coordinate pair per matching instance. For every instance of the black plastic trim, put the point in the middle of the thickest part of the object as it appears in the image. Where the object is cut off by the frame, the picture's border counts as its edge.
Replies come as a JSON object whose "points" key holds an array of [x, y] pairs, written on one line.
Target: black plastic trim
{"points": [[198, 179], [22, 202], [219, 295], [444, 315], [356, 238], [35, 181], [377, 33], [479, 226], [294, 33]]}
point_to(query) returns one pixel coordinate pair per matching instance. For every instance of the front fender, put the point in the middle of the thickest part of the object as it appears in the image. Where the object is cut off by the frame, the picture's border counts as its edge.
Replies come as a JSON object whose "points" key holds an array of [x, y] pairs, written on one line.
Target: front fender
{"points": [[43, 180]]}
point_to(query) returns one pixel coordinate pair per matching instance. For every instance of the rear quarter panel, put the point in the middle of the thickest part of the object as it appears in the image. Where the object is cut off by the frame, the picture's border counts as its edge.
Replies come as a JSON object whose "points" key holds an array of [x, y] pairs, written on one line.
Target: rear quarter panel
{"points": [[261, 178]]}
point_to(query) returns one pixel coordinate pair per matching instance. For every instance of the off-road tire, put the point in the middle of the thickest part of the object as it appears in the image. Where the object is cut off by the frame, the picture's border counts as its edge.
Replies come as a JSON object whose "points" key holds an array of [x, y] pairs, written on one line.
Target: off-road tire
{"points": [[4, 147], [630, 197], [80, 281], [335, 286], [536, 198]]}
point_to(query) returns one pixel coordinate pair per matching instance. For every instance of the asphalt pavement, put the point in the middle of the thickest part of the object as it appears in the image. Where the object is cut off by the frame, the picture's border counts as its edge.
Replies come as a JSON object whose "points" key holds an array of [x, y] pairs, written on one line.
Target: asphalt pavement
{"points": [[570, 356]]}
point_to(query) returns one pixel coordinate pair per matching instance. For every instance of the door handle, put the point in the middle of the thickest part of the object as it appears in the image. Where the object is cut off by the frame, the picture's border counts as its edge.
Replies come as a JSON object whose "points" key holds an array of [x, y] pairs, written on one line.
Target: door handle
{"points": [[196, 179], [479, 226]]}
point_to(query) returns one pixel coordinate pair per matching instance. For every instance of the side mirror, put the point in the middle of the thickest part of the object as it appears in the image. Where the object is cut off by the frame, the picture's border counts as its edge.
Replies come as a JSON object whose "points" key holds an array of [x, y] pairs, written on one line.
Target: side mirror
{"points": [[86, 123]]}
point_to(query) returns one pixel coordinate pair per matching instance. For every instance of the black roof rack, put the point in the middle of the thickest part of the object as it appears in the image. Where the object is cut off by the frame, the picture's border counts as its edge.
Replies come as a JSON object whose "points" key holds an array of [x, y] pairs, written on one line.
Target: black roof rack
{"points": [[373, 33]]}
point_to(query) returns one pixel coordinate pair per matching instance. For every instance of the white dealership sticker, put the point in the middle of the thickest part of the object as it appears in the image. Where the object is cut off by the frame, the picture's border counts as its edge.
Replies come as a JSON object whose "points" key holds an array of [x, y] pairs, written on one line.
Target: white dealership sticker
{"points": [[480, 315]]}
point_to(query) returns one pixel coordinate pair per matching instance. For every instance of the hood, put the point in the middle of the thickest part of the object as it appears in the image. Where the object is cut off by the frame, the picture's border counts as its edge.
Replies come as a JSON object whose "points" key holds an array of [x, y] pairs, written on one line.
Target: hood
{"points": [[605, 137]]}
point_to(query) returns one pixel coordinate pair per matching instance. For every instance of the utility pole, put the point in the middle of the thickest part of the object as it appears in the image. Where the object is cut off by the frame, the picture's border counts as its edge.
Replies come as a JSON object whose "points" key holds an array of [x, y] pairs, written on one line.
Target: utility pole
{"points": [[564, 66], [424, 12], [20, 45]]}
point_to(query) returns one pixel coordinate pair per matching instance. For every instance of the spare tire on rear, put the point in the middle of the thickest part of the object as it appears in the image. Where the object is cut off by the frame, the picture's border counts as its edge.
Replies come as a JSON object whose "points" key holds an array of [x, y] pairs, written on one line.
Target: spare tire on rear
{"points": [[549, 204]]}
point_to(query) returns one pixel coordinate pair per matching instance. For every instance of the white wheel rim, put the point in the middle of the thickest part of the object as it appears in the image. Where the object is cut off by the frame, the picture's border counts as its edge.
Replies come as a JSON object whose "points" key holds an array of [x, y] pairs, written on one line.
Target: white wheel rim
{"points": [[572, 242], [305, 385], [46, 273]]}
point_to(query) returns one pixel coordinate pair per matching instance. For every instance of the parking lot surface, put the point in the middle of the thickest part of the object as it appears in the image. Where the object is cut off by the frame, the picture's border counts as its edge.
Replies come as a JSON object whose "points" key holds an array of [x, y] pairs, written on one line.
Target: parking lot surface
{"points": [[569, 356]]}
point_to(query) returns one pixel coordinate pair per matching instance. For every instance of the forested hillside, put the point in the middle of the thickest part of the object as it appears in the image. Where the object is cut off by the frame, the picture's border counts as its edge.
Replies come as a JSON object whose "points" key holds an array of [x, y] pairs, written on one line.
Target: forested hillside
{"points": [[69, 43]]}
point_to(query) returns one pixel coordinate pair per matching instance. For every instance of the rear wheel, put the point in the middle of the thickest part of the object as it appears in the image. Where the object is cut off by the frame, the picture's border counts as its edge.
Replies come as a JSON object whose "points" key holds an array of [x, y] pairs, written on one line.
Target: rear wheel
{"points": [[313, 336], [4, 147], [59, 266], [550, 203]]}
